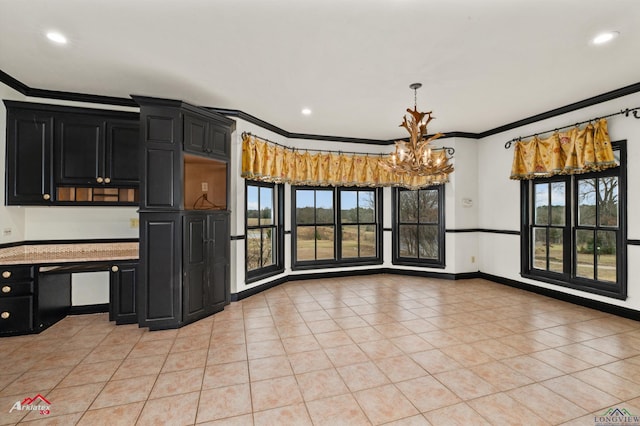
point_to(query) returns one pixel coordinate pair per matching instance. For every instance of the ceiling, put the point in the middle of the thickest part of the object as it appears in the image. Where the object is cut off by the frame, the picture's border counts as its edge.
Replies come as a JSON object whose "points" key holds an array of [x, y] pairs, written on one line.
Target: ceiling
{"points": [[482, 63]]}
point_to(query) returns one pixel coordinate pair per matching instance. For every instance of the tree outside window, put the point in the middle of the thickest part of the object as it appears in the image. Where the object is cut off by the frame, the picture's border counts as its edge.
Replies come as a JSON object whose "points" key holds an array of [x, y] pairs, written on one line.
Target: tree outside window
{"points": [[419, 226]]}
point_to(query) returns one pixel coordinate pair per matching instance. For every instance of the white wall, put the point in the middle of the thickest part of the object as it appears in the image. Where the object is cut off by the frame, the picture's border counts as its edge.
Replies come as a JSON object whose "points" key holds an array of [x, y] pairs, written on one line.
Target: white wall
{"points": [[89, 288], [499, 197]]}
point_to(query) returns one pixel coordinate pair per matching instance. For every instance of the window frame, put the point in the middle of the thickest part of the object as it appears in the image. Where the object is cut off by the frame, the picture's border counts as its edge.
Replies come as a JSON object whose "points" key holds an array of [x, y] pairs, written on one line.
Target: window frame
{"points": [[568, 278], [277, 266], [397, 259], [338, 260]]}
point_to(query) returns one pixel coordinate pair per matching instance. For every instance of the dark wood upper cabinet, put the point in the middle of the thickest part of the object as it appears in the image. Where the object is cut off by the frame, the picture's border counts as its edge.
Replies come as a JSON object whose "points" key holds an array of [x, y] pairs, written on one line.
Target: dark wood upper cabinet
{"points": [[196, 134], [29, 178], [80, 145], [95, 151], [67, 155], [122, 153], [205, 136]]}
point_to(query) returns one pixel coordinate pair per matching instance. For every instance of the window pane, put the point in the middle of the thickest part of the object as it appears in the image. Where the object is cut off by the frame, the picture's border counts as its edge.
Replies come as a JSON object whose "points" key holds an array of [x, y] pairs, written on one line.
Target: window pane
{"points": [[266, 206], [408, 206], [608, 201], [428, 206], [305, 243], [558, 201], [367, 206], [324, 242], [349, 241], [367, 240], [541, 210], [253, 249], [408, 240], [268, 245], [349, 206], [324, 206], [585, 248], [252, 206], [540, 248], [305, 206], [556, 253], [587, 202], [428, 238], [606, 250]]}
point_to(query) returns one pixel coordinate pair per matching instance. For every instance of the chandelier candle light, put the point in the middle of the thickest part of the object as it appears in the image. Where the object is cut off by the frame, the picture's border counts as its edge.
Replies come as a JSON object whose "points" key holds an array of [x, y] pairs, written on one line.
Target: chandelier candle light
{"points": [[416, 158]]}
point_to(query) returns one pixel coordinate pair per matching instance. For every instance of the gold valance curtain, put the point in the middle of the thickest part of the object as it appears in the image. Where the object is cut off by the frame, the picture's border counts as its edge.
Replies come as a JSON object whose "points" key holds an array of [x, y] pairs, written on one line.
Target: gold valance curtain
{"points": [[571, 152], [264, 161]]}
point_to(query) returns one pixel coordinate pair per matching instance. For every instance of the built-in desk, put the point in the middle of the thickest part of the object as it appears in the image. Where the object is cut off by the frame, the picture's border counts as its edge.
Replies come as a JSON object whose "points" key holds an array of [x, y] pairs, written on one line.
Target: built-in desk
{"points": [[35, 282]]}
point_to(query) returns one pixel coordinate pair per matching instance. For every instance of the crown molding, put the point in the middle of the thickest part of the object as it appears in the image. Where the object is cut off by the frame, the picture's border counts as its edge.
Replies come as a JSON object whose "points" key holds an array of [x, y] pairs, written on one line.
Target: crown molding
{"points": [[112, 100], [594, 100]]}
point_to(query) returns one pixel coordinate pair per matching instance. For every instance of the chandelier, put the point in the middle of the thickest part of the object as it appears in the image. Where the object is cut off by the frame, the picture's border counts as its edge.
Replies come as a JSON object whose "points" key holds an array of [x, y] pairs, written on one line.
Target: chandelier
{"points": [[415, 161]]}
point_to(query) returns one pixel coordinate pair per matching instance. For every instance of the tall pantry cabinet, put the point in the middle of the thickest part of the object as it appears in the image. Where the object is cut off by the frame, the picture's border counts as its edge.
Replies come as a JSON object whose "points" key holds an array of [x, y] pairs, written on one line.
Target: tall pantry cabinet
{"points": [[184, 221]]}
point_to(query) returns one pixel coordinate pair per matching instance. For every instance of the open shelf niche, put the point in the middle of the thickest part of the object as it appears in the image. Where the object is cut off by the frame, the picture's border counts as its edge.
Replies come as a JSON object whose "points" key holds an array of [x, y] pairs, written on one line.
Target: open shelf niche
{"points": [[205, 183]]}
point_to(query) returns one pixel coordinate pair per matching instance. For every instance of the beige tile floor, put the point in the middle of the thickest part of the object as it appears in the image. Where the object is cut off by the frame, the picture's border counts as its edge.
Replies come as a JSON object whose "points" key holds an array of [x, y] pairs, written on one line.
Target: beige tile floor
{"points": [[380, 349]]}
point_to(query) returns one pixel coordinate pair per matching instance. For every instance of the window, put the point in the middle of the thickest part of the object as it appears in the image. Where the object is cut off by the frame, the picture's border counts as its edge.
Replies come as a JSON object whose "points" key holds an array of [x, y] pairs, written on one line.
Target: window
{"points": [[418, 235], [264, 234], [336, 226], [573, 230]]}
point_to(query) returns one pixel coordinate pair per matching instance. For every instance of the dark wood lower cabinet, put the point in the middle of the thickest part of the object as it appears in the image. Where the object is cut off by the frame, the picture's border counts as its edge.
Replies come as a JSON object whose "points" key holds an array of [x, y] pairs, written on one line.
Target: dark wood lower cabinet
{"points": [[122, 293], [31, 302], [184, 263]]}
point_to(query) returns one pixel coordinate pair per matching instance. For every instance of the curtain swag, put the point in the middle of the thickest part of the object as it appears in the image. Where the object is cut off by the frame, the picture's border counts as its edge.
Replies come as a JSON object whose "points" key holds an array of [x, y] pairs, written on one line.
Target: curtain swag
{"points": [[572, 152], [268, 162]]}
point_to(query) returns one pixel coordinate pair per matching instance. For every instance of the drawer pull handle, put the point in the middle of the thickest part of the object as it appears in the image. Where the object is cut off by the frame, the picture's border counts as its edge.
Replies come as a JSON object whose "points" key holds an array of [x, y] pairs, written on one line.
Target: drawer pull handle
{"points": [[114, 268], [6, 289], [5, 315], [6, 274], [46, 197]]}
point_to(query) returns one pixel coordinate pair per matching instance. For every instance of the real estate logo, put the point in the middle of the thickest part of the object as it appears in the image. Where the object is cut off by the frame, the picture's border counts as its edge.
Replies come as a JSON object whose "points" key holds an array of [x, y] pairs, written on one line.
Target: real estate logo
{"points": [[37, 403], [617, 417]]}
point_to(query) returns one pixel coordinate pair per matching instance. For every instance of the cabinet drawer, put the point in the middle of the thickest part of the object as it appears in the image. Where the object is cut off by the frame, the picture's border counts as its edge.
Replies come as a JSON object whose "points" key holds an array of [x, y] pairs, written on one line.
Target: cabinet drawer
{"points": [[16, 314], [15, 273], [10, 289]]}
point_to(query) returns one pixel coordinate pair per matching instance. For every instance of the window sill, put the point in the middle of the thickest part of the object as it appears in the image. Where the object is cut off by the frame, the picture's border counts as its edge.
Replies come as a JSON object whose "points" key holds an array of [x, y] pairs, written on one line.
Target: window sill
{"points": [[420, 264], [261, 275], [614, 294], [341, 264]]}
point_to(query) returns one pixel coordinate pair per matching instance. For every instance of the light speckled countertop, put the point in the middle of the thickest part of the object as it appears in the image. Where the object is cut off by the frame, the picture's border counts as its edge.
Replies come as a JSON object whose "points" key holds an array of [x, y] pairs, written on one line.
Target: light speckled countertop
{"points": [[42, 254]]}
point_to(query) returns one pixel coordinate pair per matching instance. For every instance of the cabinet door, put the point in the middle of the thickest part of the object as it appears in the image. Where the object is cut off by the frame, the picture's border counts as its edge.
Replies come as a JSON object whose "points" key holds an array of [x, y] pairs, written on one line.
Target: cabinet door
{"points": [[196, 134], [80, 150], [218, 291], [159, 292], [195, 280], [29, 158], [220, 141], [122, 293], [16, 315], [122, 162]]}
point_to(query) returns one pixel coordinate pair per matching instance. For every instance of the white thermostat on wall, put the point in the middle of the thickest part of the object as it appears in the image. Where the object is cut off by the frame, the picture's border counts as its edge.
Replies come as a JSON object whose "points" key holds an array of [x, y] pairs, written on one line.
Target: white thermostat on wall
{"points": [[467, 202]]}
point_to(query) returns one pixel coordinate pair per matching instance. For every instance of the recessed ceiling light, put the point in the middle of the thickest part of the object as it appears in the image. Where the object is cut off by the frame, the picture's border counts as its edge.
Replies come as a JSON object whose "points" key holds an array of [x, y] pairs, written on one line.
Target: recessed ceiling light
{"points": [[306, 111], [603, 38], [56, 37]]}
